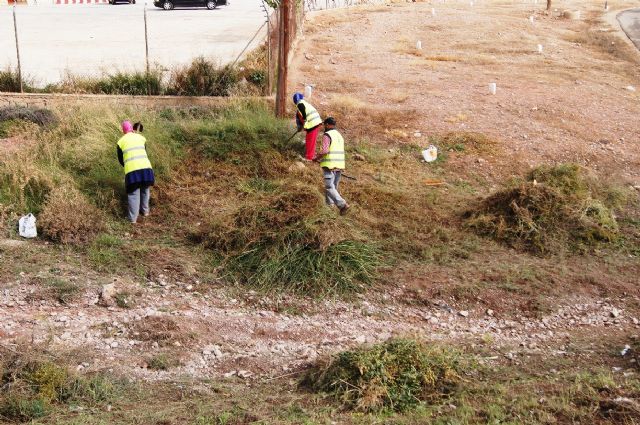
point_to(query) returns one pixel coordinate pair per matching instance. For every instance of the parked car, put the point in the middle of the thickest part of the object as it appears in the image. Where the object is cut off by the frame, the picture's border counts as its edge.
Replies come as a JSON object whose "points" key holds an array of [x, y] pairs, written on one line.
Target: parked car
{"points": [[170, 4], [123, 1]]}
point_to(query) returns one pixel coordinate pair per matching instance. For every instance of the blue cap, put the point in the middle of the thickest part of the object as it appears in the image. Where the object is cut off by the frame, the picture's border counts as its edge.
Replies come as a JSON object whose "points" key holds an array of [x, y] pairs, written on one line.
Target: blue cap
{"points": [[297, 97]]}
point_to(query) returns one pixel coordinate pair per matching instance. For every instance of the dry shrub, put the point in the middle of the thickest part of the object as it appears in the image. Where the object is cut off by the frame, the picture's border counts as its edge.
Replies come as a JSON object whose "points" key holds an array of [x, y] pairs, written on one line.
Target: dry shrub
{"points": [[559, 211], [68, 218], [396, 375], [157, 329]]}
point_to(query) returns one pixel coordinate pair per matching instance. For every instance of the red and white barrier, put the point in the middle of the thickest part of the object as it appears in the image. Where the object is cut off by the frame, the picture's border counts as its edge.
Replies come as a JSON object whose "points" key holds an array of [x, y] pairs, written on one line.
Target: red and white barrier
{"points": [[79, 1]]}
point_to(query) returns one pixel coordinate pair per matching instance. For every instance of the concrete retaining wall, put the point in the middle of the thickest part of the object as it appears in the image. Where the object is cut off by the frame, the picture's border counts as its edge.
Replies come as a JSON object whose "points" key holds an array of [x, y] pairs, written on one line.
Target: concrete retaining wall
{"points": [[53, 100]]}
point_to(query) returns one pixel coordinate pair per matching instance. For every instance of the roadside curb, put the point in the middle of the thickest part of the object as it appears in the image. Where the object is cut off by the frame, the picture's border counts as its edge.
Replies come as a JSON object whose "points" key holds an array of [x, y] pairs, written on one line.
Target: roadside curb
{"points": [[44, 100]]}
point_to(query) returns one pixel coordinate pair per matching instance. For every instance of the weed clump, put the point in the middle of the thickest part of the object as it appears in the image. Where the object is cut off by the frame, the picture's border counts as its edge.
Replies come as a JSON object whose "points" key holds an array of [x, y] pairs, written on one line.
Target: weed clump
{"points": [[10, 82], [68, 218], [203, 78], [561, 207], [34, 385], [42, 117], [394, 376]]}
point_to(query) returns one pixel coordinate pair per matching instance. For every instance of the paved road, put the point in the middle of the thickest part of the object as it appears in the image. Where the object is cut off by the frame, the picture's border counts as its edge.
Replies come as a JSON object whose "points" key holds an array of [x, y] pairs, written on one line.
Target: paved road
{"points": [[630, 23], [97, 38]]}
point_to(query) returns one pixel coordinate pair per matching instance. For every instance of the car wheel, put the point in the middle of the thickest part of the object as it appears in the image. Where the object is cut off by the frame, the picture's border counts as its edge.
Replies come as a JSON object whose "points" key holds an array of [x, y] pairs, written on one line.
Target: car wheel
{"points": [[167, 5], [211, 4], [132, 1]]}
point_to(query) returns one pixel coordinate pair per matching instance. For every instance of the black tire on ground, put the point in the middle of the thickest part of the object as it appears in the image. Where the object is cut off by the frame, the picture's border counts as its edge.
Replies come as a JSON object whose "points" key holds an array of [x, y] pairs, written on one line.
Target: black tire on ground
{"points": [[167, 5], [211, 4]]}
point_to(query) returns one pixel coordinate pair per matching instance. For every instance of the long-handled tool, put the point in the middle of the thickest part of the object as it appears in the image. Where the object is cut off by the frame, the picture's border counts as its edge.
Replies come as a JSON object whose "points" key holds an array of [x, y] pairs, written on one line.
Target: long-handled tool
{"points": [[292, 136]]}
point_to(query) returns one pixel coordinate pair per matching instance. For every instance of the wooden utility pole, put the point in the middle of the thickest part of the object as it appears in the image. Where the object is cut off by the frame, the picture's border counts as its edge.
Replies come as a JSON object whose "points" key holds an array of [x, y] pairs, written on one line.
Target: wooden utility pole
{"points": [[146, 49], [283, 57], [15, 31]]}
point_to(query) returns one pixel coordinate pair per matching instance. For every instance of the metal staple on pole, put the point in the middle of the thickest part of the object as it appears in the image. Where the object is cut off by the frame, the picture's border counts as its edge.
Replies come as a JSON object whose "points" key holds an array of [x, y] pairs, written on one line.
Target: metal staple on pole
{"points": [[15, 30]]}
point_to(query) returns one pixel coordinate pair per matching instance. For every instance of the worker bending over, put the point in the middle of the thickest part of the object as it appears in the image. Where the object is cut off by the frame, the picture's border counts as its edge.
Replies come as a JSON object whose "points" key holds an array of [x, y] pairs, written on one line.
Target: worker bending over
{"points": [[332, 161], [307, 117], [138, 174]]}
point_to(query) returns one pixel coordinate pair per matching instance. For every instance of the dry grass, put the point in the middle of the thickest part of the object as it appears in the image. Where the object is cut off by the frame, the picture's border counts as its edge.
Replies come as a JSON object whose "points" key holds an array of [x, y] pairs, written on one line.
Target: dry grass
{"points": [[69, 218], [160, 329]]}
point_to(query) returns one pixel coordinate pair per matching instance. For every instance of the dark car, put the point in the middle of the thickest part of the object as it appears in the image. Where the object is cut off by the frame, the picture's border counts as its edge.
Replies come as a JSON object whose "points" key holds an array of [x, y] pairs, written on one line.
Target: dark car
{"points": [[170, 4], [123, 1]]}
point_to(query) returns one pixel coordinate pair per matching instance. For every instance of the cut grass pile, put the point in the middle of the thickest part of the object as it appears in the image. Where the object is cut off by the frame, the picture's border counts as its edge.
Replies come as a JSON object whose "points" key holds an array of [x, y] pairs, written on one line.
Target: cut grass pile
{"points": [[42, 117], [396, 375], [288, 241], [557, 207]]}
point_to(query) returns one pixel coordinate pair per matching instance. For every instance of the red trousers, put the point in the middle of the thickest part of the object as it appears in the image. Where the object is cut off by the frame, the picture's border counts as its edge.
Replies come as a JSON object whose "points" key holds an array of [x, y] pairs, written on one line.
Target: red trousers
{"points": [[310, 143]]}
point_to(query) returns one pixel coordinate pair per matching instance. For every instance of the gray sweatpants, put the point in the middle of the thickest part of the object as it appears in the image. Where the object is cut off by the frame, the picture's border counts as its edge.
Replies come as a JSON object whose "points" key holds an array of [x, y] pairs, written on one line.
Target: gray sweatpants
{"points": [[138, 202], [331, 181]]}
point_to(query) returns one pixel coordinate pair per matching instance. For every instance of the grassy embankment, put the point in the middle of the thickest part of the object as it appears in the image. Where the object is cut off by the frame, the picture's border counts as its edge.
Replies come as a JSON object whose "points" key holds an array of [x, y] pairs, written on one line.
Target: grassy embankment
{"points": [[233, 205]]}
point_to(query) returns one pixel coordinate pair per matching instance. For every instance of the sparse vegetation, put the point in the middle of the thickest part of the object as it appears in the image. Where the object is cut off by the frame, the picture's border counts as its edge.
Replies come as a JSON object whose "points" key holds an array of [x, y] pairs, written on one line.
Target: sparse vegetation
{"points": [[162, 361], [63, 291]]}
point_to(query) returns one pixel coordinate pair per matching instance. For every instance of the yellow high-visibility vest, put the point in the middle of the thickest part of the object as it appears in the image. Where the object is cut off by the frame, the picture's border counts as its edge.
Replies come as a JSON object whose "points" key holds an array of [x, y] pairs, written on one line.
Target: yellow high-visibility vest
{"points": [[313, 117], [335, 157], [134, 152]]}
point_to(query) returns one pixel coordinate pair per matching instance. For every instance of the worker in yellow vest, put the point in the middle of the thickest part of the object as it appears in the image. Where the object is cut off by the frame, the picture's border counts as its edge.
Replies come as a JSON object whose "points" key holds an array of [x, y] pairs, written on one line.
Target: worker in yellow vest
{"points": [[307, 117], [332, 161], [138, 174]]}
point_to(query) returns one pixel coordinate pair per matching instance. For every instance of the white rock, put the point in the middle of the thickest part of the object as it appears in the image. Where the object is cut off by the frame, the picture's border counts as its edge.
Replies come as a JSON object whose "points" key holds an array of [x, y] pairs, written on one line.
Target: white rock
{"points": [[244, 374], [463, 313], [630, 88], [490, 312], [615, 312]]}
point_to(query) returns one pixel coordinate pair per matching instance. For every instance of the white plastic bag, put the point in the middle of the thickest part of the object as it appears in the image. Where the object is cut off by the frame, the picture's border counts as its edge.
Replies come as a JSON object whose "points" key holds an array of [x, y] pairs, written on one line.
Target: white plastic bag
{"points": [[430, 154], [27, 226]]}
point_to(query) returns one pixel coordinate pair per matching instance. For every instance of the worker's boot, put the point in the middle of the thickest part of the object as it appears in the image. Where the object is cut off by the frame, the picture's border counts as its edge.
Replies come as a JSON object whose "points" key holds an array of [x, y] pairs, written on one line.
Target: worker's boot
{"points": [[344, 209]]}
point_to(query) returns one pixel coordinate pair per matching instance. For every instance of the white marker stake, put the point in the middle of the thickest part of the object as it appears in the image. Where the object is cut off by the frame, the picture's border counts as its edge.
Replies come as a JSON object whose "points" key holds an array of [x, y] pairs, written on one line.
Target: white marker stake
{"points": [[307, 91], [433, 11], [539, 48], [492, 88], [419, 45], [531, 19]]}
